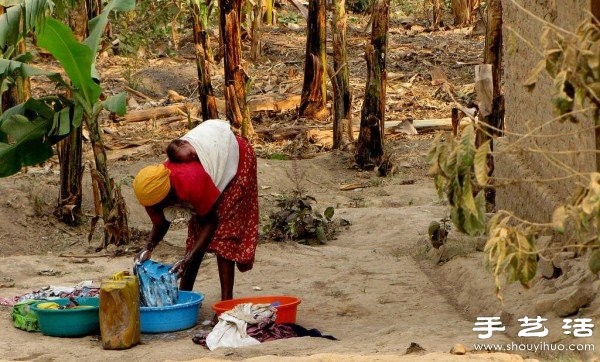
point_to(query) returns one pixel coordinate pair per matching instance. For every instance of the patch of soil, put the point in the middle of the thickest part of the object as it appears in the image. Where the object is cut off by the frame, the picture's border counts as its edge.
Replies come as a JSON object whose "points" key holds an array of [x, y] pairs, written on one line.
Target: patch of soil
{"points": [[377, 287]]}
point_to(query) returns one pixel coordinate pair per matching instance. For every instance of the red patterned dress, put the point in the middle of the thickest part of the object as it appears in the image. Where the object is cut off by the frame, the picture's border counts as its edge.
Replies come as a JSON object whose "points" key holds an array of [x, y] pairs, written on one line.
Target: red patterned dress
{"points": [[236, 235]]}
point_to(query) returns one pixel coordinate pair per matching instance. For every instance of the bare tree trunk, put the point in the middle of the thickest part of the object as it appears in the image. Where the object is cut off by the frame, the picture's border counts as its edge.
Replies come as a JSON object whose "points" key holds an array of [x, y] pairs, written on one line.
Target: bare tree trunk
{"points": [[474, 9], [437, 14], [71, 172], [495, 117], [269, 12], [114, 213], [595, 9], [203, 60], [342, 115], [462, 12], [23, 84], [493, 56], [256, 45], [235, 75], [314, 93], [369, 150], [70, 148]]}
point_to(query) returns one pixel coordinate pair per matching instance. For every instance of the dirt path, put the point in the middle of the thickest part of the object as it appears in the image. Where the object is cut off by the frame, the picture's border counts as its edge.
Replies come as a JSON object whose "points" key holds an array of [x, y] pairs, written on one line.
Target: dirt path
{"points": [[366, 288], [375, 287]]}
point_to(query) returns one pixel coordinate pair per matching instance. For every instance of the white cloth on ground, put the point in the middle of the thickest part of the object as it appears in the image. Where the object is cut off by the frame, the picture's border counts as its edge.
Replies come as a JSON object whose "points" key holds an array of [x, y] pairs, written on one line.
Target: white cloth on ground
{"points": [[217, 149], [230, 331]]}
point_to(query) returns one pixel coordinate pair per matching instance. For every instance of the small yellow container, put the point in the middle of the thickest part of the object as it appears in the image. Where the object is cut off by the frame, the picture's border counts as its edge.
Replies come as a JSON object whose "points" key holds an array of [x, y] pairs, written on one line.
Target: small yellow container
{"points": [[120, 311]]}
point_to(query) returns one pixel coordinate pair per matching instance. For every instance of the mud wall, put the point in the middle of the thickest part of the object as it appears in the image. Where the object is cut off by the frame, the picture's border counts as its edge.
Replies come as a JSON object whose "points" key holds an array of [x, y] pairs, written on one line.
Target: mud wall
{"points": [[535, 171]]}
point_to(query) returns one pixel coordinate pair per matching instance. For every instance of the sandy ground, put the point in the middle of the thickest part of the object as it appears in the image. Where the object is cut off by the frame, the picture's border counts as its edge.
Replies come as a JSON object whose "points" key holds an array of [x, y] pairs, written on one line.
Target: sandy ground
{"points": [[377, 287], [374, 287]]}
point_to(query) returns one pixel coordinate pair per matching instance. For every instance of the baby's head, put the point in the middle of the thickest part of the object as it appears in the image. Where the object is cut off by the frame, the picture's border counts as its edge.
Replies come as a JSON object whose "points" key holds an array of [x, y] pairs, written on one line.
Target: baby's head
{"points": [[181, 151]]}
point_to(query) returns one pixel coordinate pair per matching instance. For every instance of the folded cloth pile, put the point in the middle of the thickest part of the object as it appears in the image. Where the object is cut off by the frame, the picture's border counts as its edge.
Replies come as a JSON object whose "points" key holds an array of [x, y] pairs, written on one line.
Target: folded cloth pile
{"points": [[249, 324], [83, 289]]}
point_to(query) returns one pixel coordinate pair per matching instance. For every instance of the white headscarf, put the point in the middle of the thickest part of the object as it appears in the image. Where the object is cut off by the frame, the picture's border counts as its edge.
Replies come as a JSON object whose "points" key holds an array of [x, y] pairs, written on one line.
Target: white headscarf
{"points": [[217, 149]]}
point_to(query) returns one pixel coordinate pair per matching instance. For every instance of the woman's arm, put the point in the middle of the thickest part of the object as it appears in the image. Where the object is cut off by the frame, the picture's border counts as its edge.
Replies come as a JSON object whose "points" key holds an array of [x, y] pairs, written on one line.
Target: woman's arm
{"points": [[200, 232], [160, 226], [157, 234]]}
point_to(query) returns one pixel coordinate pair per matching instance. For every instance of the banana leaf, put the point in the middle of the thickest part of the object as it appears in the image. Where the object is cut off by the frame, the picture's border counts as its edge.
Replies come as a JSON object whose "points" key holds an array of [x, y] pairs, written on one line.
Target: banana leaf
{"points": [[24, 132], [20, 18], [74, 57], [98, 24]]}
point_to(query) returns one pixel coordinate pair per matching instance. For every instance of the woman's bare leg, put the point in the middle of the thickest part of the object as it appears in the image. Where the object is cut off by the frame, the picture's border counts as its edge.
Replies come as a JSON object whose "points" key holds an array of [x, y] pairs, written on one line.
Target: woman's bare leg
{"points": [[226, 277]]}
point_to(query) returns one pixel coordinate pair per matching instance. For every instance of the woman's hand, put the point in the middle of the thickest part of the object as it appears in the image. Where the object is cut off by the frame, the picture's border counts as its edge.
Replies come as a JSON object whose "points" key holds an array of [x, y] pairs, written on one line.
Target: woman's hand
{"points": [[180, 266], [142, 256]]}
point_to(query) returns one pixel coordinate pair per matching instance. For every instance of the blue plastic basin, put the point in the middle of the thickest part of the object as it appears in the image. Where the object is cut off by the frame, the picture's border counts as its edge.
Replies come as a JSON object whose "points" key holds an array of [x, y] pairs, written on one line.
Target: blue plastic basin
{"points": [[177, 317]]}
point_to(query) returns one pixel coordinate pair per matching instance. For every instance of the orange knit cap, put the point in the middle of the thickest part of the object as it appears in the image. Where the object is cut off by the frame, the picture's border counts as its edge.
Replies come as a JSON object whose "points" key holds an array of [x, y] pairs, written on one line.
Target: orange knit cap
{"points": [[151, 185]]}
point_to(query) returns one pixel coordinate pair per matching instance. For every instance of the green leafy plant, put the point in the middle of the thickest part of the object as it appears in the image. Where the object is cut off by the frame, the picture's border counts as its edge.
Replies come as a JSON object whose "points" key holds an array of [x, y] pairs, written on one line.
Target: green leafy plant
{"points": [[359, 6], [460, 171], [28, 130], [289, 18], [572, 60], [296, 220], [151, 23]]}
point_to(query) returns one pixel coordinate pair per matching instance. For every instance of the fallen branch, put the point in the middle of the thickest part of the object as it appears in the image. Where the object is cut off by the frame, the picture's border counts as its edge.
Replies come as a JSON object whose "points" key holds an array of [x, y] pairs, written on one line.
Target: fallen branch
{"points": [[354, 186], [319, 134], [152, 113], [278, 134], [176, 118], [269, 103], [436, 124], [255, 105], [138, 93], [298, 5], [65, 255]]}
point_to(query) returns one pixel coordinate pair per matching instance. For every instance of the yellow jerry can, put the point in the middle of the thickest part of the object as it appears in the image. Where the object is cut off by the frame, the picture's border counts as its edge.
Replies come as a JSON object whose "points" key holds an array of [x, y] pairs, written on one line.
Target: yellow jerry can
{"points": [[120, 311]]}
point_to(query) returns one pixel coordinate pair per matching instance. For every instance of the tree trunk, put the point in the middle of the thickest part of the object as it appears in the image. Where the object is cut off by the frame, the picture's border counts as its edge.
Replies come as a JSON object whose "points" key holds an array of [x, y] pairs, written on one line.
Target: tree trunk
{"points": [[69, 149], [203, 60], [256, 45], [462, 12], [314, 93], [23, 84], [235, 75], [114, 213], [342, 115], [269, 12], [595, 9], [495, 117], [71, 172], [493, 56], [369, 150], [437, 14]]}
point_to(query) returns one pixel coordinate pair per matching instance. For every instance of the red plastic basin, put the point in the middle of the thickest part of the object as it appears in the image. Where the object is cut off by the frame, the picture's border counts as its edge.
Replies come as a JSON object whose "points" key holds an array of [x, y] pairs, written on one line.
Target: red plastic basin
{"points": [[286, 306]]}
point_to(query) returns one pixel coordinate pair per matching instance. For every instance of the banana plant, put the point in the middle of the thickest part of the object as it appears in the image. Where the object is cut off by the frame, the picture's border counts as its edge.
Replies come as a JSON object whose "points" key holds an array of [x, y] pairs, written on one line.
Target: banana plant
{"points": [[28, 130], [17, 19]]}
